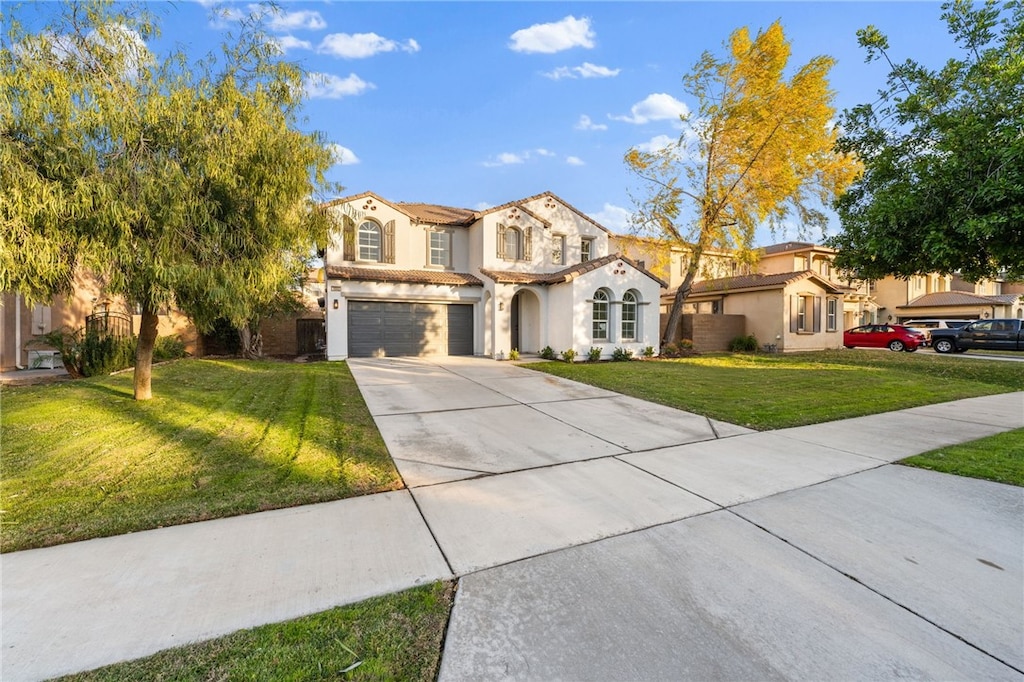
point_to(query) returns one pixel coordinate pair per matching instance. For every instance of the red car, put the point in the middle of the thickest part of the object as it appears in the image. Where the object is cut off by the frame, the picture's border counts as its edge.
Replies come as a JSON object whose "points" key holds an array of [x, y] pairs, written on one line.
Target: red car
{"points": [[892, 336]]}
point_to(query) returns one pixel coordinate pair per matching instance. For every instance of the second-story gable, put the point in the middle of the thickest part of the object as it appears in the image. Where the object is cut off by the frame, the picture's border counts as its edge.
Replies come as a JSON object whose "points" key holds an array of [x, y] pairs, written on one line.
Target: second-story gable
{"points": [[375, 233], [542, 233]]}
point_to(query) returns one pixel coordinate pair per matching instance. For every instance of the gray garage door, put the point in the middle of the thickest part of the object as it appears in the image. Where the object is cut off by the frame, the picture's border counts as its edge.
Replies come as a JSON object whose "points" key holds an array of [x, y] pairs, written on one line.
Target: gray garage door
{"points": [[395, 329]]}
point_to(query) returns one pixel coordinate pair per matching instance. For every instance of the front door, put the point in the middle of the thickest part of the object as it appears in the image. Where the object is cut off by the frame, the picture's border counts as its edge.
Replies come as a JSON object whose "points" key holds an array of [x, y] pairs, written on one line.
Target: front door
{"points": [[514, 314]]}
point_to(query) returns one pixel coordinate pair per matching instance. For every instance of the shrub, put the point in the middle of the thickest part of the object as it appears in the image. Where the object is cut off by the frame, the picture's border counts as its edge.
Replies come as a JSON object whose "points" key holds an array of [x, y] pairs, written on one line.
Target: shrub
{"points": [[548, 353], [744, 344], [87, 353], [683, 349], [168, 348], [594, 354], [649, 352], [569, 355], [621, 354], [513, 354]]}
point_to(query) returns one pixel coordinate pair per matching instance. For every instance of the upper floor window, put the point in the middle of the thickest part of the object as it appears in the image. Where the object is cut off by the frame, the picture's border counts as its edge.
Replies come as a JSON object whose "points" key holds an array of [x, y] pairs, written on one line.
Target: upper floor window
{"points": [[440, 247], [369, 241], [558, 249], [629, 300], [514, 243], [586, 249], [600, 315]]}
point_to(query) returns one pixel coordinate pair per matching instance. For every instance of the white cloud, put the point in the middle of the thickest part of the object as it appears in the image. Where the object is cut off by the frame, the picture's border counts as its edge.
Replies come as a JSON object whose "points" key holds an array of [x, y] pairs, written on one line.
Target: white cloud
{"points": [[586, 70], [515, 158], [574, 161], [343, 156], [615, 218], [586, 124], [657, 143], [655, 107], [329, 86], [303, 19], [483, 206], [507, 159], [292, 43], [362, 45], [554, 37]]}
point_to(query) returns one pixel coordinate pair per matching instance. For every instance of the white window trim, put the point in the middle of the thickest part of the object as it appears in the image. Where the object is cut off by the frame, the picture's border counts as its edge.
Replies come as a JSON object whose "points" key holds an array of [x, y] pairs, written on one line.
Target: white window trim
{"points": [[607, 300], [589, 243], [380, 241], [448, 251]]}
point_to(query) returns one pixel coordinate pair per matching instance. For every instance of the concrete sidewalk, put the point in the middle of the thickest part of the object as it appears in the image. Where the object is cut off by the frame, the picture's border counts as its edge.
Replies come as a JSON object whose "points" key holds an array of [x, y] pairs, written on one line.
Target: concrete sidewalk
{"points": [[516, 477]]}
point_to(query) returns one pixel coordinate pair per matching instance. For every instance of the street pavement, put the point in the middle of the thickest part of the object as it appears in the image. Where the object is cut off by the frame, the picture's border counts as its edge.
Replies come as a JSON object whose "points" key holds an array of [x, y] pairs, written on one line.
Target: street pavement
{"points": [[596, 537]]}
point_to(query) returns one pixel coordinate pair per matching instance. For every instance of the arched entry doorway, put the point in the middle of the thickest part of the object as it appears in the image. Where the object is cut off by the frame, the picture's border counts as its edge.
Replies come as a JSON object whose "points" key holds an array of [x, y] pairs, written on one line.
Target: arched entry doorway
{"points": [[524, 322]]}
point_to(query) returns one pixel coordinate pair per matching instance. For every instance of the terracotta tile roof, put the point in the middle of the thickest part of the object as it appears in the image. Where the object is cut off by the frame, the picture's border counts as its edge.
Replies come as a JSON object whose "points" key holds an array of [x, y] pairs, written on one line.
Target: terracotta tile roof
{"points": [[565, 275], [758, 281], [439, 215], [955, 298], [403, 276], [515, 276], [786, 247]]}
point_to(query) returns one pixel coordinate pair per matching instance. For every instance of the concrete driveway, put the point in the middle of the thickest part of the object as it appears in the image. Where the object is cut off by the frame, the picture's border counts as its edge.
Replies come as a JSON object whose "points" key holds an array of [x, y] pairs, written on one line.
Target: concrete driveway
{"points": [[604, 538]]}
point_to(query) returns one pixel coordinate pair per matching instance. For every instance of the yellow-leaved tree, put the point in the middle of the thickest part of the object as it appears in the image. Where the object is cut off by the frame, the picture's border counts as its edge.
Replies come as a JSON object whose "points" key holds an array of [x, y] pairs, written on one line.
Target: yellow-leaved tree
{"points": [[758, 150]]}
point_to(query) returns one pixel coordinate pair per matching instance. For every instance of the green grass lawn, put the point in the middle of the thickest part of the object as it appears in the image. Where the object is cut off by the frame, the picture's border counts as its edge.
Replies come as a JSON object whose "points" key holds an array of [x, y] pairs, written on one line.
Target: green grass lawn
{"points": [[772, 391], [997, 458], [81, 459], [395, 637]]}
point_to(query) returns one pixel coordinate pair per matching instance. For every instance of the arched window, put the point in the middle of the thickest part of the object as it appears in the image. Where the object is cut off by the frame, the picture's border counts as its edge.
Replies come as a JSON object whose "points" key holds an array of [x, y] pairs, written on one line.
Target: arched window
{"points": [[513, 243], [629, 300], [369, 241], [600, 310]]}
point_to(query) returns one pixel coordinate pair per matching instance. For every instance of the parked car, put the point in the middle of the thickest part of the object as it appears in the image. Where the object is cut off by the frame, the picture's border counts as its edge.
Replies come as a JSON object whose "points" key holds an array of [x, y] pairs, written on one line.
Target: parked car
{"points": [[1005, 334], [895, 337], [927, 326]]}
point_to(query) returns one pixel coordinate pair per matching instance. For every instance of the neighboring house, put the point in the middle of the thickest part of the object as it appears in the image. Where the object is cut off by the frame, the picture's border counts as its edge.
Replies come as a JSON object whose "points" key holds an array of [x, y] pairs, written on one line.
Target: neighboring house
{"points": [[670, 262], [945, 297], [788, 310], [859, 302], [21, 325], [423, 279]]}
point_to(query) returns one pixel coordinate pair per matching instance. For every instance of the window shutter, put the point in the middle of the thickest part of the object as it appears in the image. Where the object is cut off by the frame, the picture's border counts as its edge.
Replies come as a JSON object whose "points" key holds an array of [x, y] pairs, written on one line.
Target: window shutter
{"points": [[794, 308], [388, 250], [528, 243], [817, 314], [348, 239], [501, 241]]}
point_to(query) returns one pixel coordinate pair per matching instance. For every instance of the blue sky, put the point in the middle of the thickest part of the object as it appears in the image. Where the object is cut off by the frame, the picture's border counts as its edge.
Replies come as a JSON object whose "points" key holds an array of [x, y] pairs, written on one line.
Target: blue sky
{"points": [[474, 104]]}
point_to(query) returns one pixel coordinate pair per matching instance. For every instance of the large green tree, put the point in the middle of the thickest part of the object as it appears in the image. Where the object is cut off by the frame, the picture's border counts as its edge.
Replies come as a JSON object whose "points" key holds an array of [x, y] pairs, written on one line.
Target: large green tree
{"points": [[758, 150], [179, 183], [943, 149]]}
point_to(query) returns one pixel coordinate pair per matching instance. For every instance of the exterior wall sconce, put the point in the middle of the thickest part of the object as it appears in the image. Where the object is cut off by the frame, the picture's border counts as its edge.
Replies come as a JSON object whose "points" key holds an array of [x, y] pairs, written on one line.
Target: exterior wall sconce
{"points": [[501, 305], [335, 304]]}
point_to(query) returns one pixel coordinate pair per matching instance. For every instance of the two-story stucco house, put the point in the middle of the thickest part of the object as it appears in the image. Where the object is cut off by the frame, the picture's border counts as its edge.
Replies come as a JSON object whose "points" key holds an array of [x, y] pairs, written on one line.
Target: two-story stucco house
{"points": [[421, 279]]}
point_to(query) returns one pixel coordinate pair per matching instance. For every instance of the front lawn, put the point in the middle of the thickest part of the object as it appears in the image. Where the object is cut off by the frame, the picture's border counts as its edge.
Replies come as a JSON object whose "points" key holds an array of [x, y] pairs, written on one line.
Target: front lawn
{"points": [[395, 637], [773, 391], [82, 459], [997, 458]]}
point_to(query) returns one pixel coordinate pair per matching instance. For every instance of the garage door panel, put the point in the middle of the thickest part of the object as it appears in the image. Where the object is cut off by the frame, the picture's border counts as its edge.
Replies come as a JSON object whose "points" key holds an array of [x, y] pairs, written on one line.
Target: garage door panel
{"points": [[397, 329]]}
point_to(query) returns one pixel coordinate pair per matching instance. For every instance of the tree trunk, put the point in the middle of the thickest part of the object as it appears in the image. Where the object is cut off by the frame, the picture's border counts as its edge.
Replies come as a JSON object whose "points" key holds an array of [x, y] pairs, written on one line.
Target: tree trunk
{"points": [[675, 314], [251, 342], [144, 354]]}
